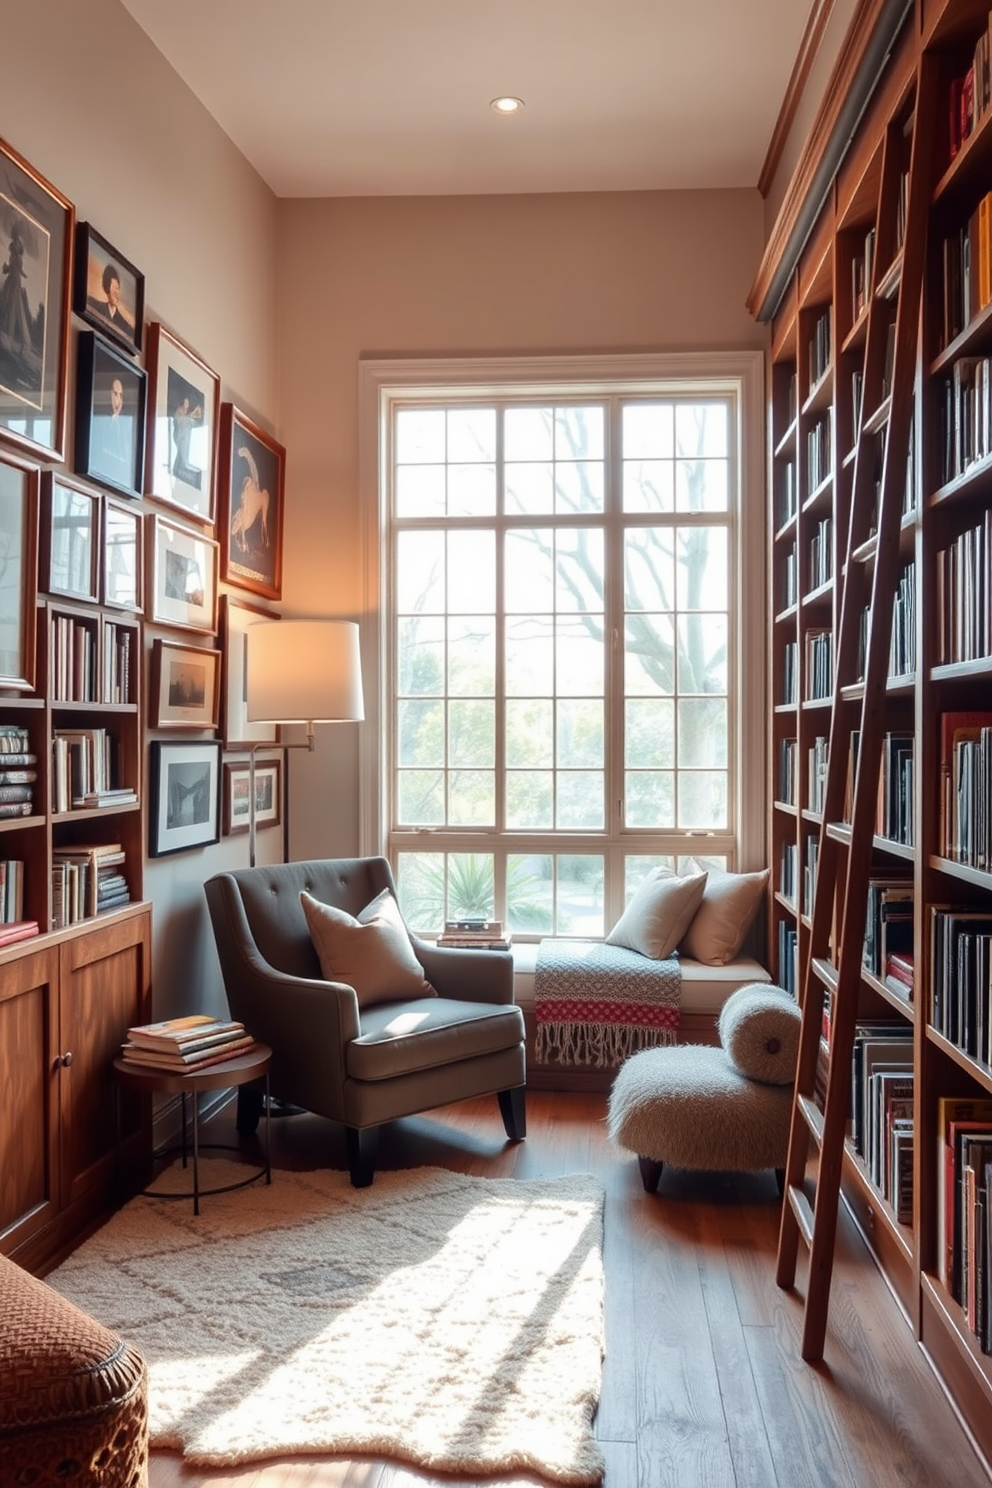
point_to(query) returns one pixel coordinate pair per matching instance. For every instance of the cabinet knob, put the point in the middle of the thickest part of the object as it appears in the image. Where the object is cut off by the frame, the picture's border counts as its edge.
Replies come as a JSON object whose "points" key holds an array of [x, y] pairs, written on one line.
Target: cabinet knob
{"points": [[67, 1059]]}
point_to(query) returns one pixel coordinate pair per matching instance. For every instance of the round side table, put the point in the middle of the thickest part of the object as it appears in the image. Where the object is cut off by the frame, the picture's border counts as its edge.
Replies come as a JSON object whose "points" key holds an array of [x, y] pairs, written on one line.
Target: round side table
{"points": [[229, 1073]]}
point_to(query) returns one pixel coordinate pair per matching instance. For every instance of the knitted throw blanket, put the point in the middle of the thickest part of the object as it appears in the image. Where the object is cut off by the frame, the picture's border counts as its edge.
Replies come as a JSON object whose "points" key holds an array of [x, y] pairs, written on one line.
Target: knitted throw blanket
{"points": [[597, 1003]]}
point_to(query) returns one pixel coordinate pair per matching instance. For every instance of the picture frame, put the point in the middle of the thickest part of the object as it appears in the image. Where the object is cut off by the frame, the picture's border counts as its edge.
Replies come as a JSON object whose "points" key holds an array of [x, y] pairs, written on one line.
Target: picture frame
{"points": [[123, 571], [36, 233], [235, 617], [19, 592], [185, 686], [71, 554], [236, 799], [252, 478], [184, 795], [110, 415], [183, 410], [182, 583], [108, 292]]}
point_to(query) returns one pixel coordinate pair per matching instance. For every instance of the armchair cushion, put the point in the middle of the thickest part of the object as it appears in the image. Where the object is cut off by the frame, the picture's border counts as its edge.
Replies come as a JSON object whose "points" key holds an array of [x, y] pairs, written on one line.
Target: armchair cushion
{"points": [[427, 1033], [370, 952]]}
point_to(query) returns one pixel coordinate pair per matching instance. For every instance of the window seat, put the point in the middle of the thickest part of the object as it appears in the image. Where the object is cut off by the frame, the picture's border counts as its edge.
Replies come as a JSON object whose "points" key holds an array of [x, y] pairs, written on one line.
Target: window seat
{"points": [[704, 991]]}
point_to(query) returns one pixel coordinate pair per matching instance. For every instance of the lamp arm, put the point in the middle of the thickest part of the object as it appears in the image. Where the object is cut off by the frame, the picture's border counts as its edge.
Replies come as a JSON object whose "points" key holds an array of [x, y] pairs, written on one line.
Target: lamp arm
{"points": [[308, 744]]}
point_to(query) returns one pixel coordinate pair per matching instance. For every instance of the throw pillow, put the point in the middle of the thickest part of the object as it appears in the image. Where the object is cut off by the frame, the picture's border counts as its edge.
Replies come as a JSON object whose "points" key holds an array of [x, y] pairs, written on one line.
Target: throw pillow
{"points": [[372, 953], [729, 904], [659, 914]]}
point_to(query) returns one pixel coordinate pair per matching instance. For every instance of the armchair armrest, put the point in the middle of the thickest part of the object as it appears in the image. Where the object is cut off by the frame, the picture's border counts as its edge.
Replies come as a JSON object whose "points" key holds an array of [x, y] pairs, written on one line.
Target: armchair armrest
{"points": [[467, 975]]}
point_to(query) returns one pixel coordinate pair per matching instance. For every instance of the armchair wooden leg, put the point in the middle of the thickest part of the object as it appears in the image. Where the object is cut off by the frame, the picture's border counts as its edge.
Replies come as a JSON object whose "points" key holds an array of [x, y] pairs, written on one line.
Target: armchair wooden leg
{"points": [[361, 1147], [513, 1109], [650, 1173], [250, 1102]]}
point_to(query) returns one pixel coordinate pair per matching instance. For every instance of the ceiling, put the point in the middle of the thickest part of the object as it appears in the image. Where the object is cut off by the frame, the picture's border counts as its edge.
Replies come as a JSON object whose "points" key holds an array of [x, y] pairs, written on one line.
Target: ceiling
{"points": [[391, 97]]}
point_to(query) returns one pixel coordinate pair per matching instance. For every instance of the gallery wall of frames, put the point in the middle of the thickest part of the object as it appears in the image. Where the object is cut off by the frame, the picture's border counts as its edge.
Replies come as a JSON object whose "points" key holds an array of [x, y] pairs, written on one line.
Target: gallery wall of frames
{"points": [[129, 495]]}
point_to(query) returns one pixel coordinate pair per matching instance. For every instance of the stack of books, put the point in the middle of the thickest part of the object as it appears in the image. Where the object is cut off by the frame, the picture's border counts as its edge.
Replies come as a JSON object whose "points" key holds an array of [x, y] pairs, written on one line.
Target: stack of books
{"points": [[477, 933], [185, 1044], [87, 880]]}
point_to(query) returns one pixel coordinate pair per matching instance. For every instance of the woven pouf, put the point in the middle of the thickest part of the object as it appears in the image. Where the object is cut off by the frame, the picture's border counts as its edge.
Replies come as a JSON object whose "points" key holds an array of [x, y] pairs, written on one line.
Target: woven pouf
{"points": [[725, 1109], [73, 1396]]}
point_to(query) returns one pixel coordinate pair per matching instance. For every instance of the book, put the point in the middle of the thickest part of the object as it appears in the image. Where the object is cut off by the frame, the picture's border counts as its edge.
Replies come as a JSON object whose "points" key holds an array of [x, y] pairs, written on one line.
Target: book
{"points": [[952, 1112], [10, 809], [202, 1059], [18, 930], [171, 1033]]}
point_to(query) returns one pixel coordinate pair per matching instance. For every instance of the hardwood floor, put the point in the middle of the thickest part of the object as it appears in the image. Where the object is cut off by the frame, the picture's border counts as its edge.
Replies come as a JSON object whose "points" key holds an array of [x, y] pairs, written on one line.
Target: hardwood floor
{"points": [[703, 1383]]}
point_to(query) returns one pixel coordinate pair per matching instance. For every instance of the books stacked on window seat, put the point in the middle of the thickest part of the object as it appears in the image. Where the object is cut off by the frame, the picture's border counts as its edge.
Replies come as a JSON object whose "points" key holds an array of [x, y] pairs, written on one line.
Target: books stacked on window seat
{"points": [[478, 933], [185, 1044]]}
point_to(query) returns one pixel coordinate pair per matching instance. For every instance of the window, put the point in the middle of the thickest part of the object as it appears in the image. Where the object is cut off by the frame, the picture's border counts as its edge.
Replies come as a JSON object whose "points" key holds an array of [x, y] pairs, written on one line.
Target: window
{"points": [[561, 645]]}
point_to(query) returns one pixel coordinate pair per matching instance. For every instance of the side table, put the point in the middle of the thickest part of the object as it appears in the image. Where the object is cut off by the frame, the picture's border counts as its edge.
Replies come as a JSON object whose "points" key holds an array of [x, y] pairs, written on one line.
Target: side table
{"points": [[229, 1073]]}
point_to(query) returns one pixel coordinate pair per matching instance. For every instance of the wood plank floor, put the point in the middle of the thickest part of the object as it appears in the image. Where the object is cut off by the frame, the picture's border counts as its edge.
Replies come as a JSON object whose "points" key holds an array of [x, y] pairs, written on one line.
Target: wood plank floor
{"points": [[703, 1382]]}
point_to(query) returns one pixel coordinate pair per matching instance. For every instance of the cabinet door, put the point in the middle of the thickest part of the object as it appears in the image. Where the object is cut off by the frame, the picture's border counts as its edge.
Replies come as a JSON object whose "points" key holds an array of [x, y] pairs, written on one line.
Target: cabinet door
{"points": [[105, 988], [30, 1070]]}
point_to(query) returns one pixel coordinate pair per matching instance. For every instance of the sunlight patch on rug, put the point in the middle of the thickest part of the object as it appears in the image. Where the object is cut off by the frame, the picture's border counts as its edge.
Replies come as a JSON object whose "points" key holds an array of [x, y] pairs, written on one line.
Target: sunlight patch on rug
{"points": [[452, 1321]]}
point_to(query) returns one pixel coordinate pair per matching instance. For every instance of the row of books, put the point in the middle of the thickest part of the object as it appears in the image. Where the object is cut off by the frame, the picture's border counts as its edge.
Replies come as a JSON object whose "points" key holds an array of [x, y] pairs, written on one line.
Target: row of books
{"points": [[888, 921], [961, 978], [18, 775], [117, 662], [788, 956], [896, 786], [809, 873], [964, 831], [87, 881], [11, 891], [816, 772], [819, 664], [964, 1203], [861, 267], [968, 95], [790, 578], [819, 450], [882, 1110], [963, 602], [73, 655], [194, 1042], [965, 416], [84, 770], [788, 760], [821, 553], [788, 501], [790, 672], [819, 347], [966, 271], [789, 871], [477, 933]]}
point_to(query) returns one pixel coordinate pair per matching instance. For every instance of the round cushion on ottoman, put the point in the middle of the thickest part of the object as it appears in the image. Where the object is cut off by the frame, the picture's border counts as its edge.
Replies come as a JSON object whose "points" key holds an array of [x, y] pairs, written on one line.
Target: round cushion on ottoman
{"points": [[759, 1030], [690, 1107], [73, 1396]]}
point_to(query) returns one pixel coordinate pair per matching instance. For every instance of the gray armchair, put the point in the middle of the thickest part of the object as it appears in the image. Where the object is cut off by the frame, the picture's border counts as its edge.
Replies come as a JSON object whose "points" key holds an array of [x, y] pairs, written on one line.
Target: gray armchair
{"points": [[360, 1066]]}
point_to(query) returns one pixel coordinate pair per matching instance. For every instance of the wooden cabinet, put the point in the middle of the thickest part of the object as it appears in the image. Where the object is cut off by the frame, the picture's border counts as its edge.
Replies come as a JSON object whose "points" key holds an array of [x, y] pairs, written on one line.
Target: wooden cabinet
{"points": [[64, 1005], [880, 650]]}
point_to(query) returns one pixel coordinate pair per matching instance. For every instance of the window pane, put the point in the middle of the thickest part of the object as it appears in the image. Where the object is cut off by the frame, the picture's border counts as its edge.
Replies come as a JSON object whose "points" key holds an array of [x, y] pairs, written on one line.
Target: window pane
{"points": [[420, 888], [579, 557], [580, 801], [702, 568], [530, 488], [703, 799], [421, 655], [579, 433], [580, 734], [530, 665], [472, 655], [421, 733], [579, 486], [420, 436], [649, 569], [420, 798], [702, 485], [636, 870], [530, 800], [529, 582], [472, 435], [470, 886], [471, 490], [649, 737], [530, 893], [648, 486], [579, 657], [529, 733], [471, 798], [649, 655], [528, 434], [579, 894], [702, 732], [471, 572], [649, 798], [702, 430], [648, 431], [471, 733], [420, 573], [420, 491], [702, 653]]}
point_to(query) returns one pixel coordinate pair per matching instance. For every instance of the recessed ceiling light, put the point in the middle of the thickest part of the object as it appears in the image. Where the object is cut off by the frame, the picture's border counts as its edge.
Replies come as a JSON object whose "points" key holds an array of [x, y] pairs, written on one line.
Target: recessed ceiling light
{"points": [[506, 105]]}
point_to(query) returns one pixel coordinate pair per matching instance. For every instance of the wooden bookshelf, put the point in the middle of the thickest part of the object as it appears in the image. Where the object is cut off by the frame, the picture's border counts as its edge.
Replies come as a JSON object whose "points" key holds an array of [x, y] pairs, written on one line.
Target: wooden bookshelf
{"points": [[916, 308]]}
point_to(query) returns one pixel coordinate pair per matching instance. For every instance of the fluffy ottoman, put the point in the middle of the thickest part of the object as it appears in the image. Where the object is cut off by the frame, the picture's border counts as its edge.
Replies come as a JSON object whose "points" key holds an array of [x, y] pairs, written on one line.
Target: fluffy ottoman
{"points": [[724, 1109], [73, 1397]]}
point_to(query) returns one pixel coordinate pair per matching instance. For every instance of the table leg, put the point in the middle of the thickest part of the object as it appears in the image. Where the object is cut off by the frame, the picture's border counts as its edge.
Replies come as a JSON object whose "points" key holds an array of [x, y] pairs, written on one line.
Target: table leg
{"points": [[119, 1167], [182, 1097], [196, 1154], [268, 1104]]}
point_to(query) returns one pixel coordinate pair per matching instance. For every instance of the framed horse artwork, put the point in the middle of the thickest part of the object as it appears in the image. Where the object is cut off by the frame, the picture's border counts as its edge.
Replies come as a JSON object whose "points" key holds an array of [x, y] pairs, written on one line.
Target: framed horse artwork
{"points": [[252, 468]]}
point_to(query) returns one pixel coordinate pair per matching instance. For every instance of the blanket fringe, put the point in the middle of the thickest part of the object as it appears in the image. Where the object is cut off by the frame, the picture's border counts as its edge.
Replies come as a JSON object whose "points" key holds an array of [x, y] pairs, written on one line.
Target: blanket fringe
{"points": [[601, 1044]]}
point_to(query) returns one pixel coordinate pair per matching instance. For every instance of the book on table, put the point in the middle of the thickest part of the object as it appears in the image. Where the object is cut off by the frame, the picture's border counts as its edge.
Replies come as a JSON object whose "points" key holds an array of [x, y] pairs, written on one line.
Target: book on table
{"points": [[174, 1034], [187, 1061]]}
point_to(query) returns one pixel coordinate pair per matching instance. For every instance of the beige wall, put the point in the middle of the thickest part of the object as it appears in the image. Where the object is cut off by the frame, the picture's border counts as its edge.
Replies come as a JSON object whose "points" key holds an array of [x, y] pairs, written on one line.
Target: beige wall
{"points": [[93, 106], [633, 271]]}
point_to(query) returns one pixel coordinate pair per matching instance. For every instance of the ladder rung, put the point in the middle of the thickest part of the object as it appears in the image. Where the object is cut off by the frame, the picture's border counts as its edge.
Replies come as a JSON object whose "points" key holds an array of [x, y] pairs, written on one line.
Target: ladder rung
{"points": [[840, 832], [826, 973], [803, 1211], [812, 1115]]}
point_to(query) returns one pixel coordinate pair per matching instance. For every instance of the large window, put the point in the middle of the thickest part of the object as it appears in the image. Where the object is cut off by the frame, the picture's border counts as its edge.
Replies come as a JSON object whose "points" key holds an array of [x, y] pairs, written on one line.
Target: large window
{"points": [[562, 647]]}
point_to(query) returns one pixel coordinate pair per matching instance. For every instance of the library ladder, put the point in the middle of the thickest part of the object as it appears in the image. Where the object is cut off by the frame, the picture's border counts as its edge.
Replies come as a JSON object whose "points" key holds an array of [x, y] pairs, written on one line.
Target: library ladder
{"points": [[844, 854]]}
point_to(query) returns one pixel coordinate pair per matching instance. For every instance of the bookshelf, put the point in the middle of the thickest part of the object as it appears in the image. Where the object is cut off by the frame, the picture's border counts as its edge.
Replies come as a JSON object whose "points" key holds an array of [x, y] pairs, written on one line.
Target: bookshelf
{"points": [[880, 664]]}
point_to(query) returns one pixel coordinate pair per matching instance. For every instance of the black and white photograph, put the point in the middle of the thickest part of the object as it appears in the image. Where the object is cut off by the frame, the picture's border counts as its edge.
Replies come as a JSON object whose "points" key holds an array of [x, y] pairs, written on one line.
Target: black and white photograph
{"points": [[108, 291], [183, 579], [185, 796], [110, 416], [36, 223], [184, 686], [183, 402]]}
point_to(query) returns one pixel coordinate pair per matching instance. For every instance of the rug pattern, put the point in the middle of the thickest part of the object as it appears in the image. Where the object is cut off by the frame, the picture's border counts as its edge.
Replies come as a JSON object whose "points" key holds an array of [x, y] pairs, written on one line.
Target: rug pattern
{"points": [[454, 1322]]}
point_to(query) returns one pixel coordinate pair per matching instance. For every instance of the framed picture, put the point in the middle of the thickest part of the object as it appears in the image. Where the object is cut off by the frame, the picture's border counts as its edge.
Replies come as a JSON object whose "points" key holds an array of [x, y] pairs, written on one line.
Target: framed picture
{"points": [[268, 795], [19, 590], [36, 226], [110, 416], [183, 578], [185, 688], [122, 569], [252, 470], [185, 795], [235, 617], [70, 538], [183, 405], [108, 291]]}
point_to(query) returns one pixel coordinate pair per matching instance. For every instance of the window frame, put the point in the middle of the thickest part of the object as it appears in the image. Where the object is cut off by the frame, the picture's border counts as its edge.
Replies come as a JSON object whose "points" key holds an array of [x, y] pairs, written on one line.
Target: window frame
{"points": [[386, 383]]}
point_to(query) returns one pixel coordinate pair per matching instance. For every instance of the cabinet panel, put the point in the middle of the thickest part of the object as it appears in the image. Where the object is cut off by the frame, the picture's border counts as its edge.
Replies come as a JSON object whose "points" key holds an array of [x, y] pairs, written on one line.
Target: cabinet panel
{"points": [[29, 1174]]}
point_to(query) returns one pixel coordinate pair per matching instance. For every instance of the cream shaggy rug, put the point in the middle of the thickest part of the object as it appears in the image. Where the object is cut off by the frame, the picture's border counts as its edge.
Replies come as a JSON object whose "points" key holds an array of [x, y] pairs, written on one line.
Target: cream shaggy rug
{"points": [[454, 1322]]}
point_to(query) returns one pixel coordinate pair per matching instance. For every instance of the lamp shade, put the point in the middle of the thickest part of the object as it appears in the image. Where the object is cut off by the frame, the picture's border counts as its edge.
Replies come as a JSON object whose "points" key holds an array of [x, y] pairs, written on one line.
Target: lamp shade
{"points": [[303, 671]]}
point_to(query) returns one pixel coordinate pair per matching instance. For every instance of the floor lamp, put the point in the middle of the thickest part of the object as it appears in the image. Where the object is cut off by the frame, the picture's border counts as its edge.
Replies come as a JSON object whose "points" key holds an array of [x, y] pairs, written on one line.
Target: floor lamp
{"points": [[300, 671]]}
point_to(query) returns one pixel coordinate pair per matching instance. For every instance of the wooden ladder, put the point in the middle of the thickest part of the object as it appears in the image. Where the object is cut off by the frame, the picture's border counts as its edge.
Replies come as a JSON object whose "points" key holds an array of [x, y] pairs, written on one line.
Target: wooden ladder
{"points": [[845, 851]]}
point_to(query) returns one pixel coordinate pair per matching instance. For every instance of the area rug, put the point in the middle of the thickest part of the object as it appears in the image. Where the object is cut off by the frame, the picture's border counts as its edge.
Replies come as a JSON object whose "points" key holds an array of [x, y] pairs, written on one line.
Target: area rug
{"points": [[451, 1321]]}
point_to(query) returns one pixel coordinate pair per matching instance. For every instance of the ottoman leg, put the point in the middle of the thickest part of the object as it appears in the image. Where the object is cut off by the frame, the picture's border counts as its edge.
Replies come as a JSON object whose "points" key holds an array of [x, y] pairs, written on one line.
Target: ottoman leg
{"points": [[780, 1180], [650, 1173]]}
